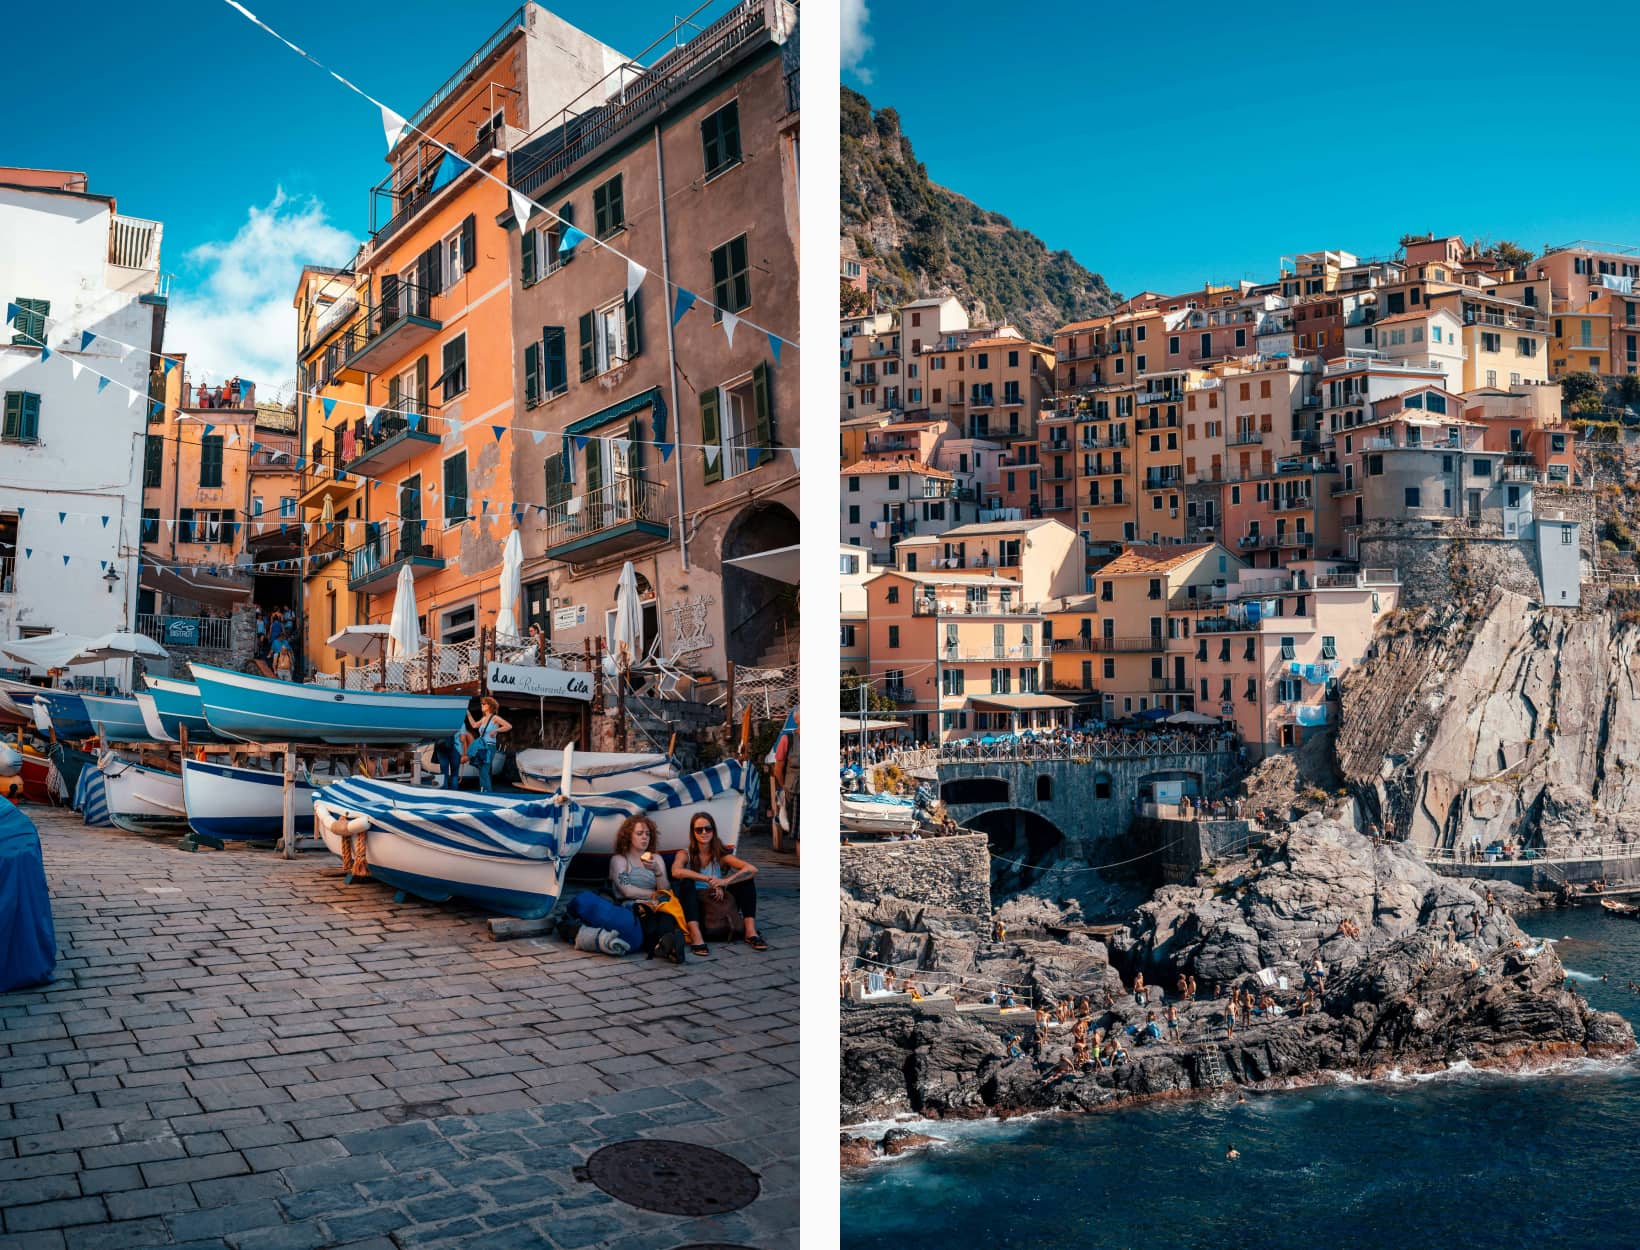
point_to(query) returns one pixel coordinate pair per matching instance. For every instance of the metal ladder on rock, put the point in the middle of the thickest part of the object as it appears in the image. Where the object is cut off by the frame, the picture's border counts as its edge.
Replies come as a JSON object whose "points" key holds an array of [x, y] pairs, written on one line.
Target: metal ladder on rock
{"points": [[1210, 1070]]}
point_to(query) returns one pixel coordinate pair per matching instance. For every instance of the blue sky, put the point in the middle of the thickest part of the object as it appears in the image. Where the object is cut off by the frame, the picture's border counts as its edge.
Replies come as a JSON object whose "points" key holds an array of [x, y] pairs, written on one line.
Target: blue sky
{"points": [[255, 161], [1165, 145]]}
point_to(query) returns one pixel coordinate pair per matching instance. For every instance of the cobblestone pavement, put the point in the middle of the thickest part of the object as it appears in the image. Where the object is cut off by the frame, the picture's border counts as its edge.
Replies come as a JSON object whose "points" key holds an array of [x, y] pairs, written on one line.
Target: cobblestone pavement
{"points": [[242, 1051]]}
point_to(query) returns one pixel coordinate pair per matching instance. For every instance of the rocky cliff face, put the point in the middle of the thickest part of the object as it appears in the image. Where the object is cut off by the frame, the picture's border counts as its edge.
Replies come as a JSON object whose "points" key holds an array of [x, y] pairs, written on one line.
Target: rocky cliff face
{"points": [[1423, 973], [1503, 722]]}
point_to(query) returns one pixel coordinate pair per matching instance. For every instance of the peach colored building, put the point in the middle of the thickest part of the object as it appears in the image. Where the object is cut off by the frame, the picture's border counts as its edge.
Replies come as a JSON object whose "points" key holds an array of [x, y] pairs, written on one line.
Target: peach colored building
{"points": [[885, 501]]}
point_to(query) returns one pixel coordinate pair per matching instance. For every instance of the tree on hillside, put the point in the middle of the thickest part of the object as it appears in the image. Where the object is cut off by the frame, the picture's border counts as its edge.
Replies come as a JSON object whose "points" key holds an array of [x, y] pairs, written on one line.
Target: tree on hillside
{"points": [[849, 696], [1581, 391], [1510, 254], [852, 299], [1628, 389]]}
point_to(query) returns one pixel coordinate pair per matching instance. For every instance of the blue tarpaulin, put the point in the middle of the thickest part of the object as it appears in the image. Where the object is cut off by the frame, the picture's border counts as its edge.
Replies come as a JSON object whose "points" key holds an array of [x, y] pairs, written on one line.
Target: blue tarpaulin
{"points": [[28, 944]]}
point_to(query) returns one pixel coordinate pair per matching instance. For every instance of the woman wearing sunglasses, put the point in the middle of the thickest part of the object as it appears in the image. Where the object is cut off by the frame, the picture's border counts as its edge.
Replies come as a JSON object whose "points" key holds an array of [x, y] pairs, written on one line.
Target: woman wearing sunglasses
{"points": [[705, 868]]}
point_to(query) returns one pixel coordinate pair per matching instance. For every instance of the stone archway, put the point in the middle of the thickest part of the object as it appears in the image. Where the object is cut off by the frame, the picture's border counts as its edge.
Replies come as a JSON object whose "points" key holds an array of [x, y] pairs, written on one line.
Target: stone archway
{"points": [[1022, 843], [759, 613]]}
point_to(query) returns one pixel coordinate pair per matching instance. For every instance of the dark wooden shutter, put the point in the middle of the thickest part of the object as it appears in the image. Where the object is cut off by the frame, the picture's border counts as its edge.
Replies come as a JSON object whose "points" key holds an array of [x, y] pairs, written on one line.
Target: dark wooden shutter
{"points": [[421, 385], [556, 361], [14, 414], [634, 326], [720, 280], [230, 526], [393, 397], [469, 243], [709, 434], [31, 416], [431, 274], [532, 375], [389, 300], [455, 488], [589, 357], [594, 461], [557, 479], [567, 214], [153, 462], [634, 455], [527, 247], [185, 525], [617, 203], [761, 402]]}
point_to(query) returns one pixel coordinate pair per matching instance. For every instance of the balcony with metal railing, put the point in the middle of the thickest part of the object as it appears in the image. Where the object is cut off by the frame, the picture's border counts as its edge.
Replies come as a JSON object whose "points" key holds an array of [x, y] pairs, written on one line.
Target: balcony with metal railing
{"points": [[404, 317], [1099, 644], [213, 632], [620, 515], [1243, 438], [196, 395], [979, 655], [322, 478], [373, 566], [393, 436]]}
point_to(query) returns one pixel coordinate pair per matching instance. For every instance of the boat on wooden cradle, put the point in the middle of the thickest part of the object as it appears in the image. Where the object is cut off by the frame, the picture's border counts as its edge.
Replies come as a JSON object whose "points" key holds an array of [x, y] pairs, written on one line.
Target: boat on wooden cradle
{"points": [[150, 718], [64, 713], [246, 804], [141, 799], [265, 709], [878, 813], [440, 844], [594, 772], [508, 856], [116, 718], [180, 708]]}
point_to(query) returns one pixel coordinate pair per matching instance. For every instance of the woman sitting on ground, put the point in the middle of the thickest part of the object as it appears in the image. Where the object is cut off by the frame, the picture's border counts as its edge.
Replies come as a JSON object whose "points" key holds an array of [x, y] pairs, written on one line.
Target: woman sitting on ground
{"points": [[636, 871], [707, 865]]}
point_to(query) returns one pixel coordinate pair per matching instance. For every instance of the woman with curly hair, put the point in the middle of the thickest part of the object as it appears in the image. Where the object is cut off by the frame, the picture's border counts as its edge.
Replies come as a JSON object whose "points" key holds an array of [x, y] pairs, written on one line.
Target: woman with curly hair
{"points": [[636, 870]]}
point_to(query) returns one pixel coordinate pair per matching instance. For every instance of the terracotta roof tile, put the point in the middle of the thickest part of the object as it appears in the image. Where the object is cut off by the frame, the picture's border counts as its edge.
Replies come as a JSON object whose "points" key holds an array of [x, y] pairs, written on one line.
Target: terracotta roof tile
{"points": [[1143, 558]]}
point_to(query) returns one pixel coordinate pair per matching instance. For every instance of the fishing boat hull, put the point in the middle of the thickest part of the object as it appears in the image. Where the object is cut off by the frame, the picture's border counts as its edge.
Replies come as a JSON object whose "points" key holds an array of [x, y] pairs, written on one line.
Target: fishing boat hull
{"points": [[65, 713], [35, 777], [142, 799], [116, 719], [1623, 911], [180, 708], [878, 817], [593, 772], [70, 763], [150, 719], [261, 709], [244, 804]]}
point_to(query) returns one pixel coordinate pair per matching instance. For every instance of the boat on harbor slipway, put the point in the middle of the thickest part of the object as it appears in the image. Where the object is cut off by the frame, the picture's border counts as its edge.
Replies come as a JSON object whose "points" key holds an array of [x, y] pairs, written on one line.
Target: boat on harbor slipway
{"points": [[263, 709], [597, 772], [142, 799], [242, 804]]}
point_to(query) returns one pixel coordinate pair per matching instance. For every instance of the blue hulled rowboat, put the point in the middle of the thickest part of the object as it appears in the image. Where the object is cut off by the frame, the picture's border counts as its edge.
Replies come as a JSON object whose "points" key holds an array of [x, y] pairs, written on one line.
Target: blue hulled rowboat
{"points": [[264, 709], [180, 707], [117, 719], [242, 803], [67, 713]]}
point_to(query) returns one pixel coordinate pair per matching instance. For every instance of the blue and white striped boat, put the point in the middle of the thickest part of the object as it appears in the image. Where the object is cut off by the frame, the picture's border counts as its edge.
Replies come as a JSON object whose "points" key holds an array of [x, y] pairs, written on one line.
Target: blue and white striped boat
{"points": [[65, 714], [91, 797], [439, 844], [180, 707], [264, 709], [597, 771], [116, 718], [247, 804]]}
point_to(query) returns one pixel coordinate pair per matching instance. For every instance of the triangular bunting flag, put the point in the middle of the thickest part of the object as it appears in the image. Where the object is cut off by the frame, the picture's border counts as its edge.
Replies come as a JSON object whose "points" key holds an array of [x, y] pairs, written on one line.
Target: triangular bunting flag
{"points": [[169, 364], [155, 408], [28, 553], [485, 508], [684, 302], [329, 405], [580, 442], [572, 236], [74, 368], [102, 384], [125, 350], [245, 388], [797, 460], [105, 522], [539, 436], [413, 419], [774, 346], [45, 353], [65, 561], [131, 397], [666, 451], [499, 431], [86, 339], [635, 274], [255, 447], [712, 450], [522, 208], [170, 527], [393, 126], [208, 428], [730, 321], [11, 313], [233, 438], [61, 517], [103, 564]]}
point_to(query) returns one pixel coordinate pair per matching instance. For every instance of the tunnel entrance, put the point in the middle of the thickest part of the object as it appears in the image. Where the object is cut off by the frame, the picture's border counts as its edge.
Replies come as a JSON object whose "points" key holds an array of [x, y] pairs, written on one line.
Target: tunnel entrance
{"points": [[974, 790], [1022, 843]]}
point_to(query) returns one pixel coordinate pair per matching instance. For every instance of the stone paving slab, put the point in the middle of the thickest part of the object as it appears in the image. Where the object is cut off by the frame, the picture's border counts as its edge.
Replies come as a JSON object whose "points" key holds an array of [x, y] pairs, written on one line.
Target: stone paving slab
{"points": [[245, 1052]]}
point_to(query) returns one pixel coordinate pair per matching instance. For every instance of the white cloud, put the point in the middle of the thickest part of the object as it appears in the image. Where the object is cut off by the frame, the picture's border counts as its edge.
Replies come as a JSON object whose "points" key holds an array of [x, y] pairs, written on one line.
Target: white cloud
{"points": [[233, 314], [855, 42]]}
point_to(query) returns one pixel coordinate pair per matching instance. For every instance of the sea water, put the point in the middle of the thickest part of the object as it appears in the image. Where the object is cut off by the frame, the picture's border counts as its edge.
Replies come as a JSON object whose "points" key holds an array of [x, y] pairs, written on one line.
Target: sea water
{"points": [[1460, 1160]]}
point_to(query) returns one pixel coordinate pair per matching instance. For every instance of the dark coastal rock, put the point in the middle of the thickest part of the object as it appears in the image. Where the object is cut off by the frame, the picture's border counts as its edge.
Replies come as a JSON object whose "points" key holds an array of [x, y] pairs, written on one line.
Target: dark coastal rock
{"points": [[1423, 974], [857, 1152]]}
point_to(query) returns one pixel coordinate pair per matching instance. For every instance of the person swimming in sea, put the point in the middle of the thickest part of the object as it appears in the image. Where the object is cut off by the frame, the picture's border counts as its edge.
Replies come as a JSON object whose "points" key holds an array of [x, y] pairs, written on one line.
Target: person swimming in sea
{"points": [[1232, 1154]]}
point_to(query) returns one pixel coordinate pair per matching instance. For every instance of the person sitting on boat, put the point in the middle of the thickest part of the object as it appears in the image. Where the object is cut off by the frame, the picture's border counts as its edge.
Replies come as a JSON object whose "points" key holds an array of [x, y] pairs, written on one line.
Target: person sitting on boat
{"points": [[708, 866], [480, 749], [636, 871]]}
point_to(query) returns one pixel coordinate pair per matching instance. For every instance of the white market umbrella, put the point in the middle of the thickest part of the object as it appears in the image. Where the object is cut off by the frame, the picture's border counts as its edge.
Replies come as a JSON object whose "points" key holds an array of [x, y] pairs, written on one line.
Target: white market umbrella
{"points": [[121, 645], [1191, 718], [403, 633], [359, 640], [46, 652], [512, 576], [626, 634]]}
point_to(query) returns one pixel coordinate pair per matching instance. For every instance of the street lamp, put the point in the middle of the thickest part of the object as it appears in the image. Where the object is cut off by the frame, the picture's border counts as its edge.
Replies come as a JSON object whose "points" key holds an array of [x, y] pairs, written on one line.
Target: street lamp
{"points": [[111, 578]]}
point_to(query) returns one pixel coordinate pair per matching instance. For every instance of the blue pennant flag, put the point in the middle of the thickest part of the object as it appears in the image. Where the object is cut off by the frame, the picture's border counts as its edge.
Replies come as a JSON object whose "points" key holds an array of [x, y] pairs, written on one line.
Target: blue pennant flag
{"points": [[86, 339], [580, 442], [301, 462], [245, 388], [255, 447], [155, 408], [105, 522], [208, 428], [572, 236], [61, 517], [103, 564], [329, 405], [28, 553], [448, 170], [666, 452], [518, 512], [774, 346], [681, 305], [65, 561], [486, 506], [169, 364], [753, 457], [45, 353], [413, 419], [11, 313], [499, 431], [20, 512], [102, 385]]}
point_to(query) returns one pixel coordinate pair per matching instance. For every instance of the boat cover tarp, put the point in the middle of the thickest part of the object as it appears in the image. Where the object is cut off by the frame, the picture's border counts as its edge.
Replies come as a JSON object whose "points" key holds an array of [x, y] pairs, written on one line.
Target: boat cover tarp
{"points": [[91, 797], [673, 792], [28, 944], [491, 825]]}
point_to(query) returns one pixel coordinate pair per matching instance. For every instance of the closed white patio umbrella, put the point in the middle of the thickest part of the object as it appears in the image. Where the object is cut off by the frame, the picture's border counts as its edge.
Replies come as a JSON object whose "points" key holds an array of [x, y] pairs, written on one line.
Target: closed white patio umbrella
{"points": [[626, 633], [403, 632], [512, 574]]}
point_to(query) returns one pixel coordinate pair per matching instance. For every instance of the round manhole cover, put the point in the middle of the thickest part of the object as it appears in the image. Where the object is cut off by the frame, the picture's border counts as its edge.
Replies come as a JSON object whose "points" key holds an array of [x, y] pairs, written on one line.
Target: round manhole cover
{"points": [[673, 1177]]}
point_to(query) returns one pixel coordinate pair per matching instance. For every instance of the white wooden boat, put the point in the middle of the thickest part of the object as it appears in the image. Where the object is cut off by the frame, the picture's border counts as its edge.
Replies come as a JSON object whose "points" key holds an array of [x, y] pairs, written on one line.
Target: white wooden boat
{"points": [[878, 814], [142, 799], [592, 772], [233, 803]]}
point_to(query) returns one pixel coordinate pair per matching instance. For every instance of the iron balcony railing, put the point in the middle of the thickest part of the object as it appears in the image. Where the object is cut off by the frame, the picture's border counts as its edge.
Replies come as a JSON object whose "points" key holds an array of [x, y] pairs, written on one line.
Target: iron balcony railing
{"points": [[624, 501], [1087, 642], [1019, 651], [408, 299], [393, 421], [214, 632], [386, 544]]}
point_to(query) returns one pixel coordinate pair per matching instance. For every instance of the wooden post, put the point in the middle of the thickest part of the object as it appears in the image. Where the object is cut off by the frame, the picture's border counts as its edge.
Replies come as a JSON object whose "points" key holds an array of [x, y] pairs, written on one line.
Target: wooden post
{"points": [[182, 738], [729, 704], [620, 709], [429, 646], [287, 819], [415, 766], [485, 635]]}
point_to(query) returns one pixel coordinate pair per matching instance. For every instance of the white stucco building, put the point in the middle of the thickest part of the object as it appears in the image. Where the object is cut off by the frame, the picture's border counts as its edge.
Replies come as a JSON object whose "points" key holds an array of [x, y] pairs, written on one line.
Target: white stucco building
{"points": [[71, 454]]}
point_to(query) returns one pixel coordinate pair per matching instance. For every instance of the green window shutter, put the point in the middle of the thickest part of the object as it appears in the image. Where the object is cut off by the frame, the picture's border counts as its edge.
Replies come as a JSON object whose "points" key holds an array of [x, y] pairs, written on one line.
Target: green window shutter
{"points": [[760, 401], [634, 453], [589, 359], [567, 215], [31, 417], [556, 362], [430, 270], [30, 325], [532, 375], [455, 488], [153, 462], [740, 275], [14, 414], [617, 203], [420, 397], [557, 480], [634, 325], [528, 251], [210, 460], [709, 434], [389, 304], [393, 393], [720, 280], [600, 209], [469, 243], [595, 466]]}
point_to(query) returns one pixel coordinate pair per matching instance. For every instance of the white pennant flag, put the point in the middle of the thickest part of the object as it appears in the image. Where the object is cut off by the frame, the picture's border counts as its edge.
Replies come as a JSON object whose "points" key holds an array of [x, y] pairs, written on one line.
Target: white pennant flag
{"points": [[730, 321], [538, 436], [711, 455], [170, 527], [233, 438], [370, 414], [797, 460], [74, 368], [522, 208], [635, 274], [623, 446], [125, 350], [131, 397], [394, 126]]}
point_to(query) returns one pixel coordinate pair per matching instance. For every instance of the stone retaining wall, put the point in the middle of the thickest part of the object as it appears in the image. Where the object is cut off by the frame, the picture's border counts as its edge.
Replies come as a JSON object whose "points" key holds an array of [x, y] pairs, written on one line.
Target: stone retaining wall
{"points": [[950, 872]]}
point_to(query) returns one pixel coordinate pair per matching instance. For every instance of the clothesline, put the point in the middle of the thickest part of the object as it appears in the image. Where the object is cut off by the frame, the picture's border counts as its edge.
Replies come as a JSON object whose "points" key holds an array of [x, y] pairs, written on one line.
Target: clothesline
{"points": [[396, 127]]}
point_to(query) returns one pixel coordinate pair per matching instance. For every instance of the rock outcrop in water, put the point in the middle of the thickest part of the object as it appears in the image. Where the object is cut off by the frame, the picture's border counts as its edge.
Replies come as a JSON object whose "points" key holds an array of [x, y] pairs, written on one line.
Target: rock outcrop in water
{"points": [[1436, 976]]}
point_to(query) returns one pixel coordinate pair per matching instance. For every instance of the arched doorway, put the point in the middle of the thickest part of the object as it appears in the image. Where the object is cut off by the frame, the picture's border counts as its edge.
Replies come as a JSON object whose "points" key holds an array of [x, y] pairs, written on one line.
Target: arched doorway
{"points": [[760, 613], [1022, 843]]}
